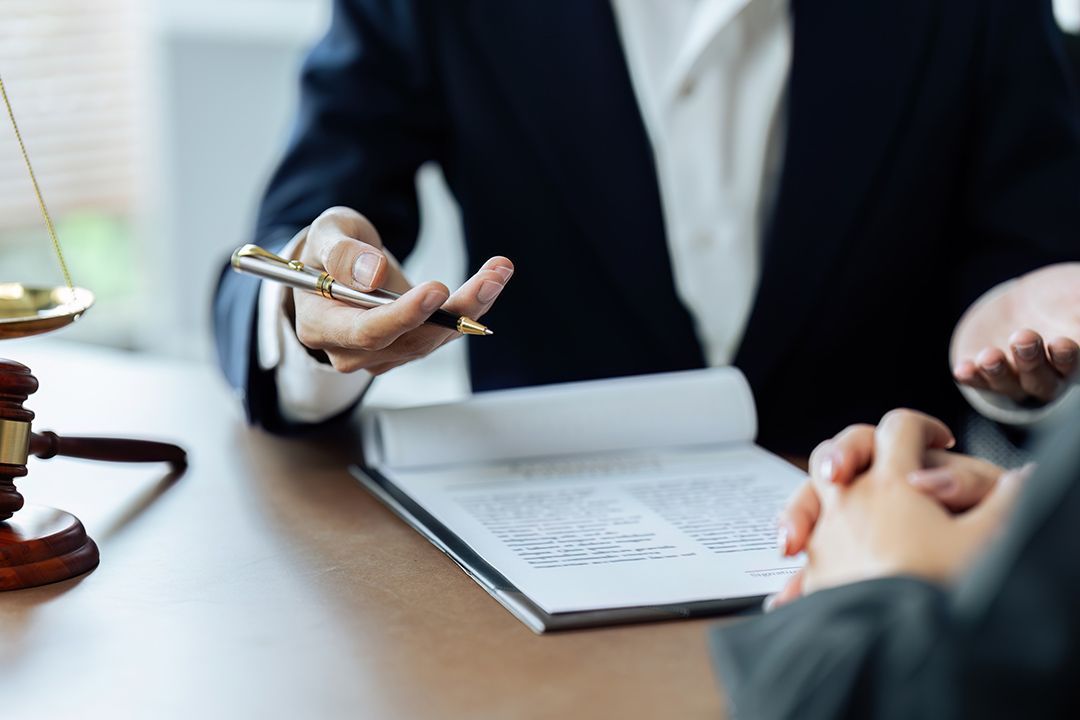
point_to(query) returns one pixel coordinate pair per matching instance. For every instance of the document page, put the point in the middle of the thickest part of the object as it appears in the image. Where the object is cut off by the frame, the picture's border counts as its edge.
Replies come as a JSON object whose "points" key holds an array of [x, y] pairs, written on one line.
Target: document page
{"points": [[620, 529], [694, 407]]}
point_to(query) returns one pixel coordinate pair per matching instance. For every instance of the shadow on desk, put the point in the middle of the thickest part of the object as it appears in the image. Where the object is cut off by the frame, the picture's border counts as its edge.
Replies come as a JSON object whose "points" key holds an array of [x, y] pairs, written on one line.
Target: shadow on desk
{"points": [[140, 504]]}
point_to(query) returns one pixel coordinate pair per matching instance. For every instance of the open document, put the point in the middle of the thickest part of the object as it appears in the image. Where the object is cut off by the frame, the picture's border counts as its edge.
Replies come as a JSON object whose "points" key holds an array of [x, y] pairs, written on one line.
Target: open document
{"points": [[593, 503]]}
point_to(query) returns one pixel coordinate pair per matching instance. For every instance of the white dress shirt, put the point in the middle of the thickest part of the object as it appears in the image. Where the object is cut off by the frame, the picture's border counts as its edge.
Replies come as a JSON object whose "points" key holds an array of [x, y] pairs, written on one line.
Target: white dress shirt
{"points": [[710, 77], [308, 390]]}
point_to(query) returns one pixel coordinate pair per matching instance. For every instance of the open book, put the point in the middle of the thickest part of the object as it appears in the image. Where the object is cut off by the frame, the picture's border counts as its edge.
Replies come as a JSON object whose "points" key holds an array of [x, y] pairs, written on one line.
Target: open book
{"points": [[596, 502]]}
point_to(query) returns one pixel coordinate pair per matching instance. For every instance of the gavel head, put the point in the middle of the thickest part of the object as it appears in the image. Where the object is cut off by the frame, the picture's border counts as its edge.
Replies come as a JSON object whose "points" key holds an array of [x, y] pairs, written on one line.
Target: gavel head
{"points": [[16, 384]]}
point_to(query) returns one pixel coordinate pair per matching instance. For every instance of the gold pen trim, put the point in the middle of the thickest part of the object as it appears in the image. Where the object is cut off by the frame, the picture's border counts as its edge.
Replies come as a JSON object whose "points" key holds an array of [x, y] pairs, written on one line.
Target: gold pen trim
{"points": [[250, 250], [468, 326], [324, 283], [325, 286]]}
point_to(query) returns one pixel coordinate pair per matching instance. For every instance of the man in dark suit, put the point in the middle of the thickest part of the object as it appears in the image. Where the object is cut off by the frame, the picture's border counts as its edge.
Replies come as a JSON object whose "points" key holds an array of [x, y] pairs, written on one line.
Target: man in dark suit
{"points": [[909, 628], [924, 152]]}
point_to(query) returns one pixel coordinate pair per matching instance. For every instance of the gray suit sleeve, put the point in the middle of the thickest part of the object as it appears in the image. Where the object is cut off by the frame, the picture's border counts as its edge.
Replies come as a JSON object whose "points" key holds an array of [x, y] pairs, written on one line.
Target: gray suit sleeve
{"points": [[1003, 643]]}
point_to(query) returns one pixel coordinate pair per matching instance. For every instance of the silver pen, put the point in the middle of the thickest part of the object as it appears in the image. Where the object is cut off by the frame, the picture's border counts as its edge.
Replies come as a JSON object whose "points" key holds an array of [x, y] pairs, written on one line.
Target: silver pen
{"points": [[254, 260]]}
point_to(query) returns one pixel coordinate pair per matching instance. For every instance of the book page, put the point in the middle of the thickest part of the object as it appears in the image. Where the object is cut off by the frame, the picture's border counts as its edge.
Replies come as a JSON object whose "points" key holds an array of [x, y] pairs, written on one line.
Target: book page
{"points": [[626, 529], [675, 409]]}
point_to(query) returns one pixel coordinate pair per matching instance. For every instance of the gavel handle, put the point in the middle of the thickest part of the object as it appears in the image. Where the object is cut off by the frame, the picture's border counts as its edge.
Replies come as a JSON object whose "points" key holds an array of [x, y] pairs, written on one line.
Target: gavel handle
{"points": [[48, 444]]}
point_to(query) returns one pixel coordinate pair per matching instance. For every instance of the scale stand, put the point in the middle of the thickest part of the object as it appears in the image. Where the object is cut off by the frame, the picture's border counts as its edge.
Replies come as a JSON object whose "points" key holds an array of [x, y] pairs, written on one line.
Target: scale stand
{"points": [[39, 545]]}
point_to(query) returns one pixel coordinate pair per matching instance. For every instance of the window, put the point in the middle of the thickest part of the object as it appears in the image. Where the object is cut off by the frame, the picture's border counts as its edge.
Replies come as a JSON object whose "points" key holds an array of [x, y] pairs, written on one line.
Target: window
{"points": [[68, 69]]}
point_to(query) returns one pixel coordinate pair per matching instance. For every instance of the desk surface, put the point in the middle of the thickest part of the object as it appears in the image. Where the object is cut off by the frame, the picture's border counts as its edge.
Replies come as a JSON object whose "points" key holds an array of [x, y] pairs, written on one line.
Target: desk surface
{"points": [[266, 582]]}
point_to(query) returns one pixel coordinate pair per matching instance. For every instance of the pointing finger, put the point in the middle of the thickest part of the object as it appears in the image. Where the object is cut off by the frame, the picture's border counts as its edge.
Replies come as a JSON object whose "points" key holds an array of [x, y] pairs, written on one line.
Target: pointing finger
{"points": [[476, 296]]}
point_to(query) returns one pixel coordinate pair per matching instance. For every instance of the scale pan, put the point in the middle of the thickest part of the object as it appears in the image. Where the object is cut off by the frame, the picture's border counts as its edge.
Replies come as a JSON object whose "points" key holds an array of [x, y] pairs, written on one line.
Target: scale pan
{"points": [[32, 310]]}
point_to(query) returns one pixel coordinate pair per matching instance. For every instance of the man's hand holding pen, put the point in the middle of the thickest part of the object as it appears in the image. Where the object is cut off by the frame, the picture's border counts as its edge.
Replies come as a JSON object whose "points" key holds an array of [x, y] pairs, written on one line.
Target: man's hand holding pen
{"points": [[345, 244]]}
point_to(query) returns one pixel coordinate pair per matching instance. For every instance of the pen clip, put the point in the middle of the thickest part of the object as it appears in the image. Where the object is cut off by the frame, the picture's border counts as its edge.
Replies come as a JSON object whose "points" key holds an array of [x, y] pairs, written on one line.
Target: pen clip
{"points": [[254, 251]]}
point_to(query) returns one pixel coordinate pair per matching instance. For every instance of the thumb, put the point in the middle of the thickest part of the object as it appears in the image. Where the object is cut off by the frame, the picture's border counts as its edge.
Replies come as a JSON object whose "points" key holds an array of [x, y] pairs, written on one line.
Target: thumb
{"points": [[346, 245], [991, 514]]}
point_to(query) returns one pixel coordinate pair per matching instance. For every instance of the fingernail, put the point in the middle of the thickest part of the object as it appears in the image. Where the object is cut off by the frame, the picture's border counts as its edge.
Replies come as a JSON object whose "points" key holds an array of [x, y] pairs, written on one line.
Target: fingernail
{"points": [[365, 267], [488, 291], [1063, 357], [836, 464], [782, 539], [503, 271], [937, 480], [1027, 352], [432, 301], [769, 603], [830, 465], [995, 369]]}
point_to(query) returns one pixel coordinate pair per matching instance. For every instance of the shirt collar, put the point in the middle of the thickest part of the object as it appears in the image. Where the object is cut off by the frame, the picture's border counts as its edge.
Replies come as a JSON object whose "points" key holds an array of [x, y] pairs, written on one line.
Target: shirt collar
{"points": [[710, 18]]}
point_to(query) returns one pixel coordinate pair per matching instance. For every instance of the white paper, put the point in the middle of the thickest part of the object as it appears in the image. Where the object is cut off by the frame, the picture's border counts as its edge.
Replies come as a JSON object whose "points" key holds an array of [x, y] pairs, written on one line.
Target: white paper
{"points": [[627, 529], [675, 409], [631, 492]]}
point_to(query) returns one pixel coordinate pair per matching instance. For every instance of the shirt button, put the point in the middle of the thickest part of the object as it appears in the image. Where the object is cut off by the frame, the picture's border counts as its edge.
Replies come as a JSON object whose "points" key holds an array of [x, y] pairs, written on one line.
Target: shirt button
{"points": [[703, 240], [687, 87]]}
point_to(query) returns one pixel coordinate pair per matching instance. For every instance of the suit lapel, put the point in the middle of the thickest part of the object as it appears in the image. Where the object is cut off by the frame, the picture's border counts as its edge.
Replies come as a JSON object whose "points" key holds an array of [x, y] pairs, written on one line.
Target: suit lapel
{"points": [[855, 66], [562, 69]]}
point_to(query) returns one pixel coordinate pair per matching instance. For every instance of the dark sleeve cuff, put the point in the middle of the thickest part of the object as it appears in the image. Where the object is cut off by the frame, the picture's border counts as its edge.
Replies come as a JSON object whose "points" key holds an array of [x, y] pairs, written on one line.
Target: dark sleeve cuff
{"points": [[235, 312]]}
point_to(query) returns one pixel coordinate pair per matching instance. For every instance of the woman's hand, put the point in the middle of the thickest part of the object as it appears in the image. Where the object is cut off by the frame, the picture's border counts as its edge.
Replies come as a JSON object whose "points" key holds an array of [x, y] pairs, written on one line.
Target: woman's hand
{"points": [[855, 525], [958, 482]]}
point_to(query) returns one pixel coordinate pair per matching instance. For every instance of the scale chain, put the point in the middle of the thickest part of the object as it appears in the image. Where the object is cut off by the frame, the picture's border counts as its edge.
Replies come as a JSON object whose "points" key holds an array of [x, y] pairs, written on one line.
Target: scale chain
{"points": [[37, 190]]}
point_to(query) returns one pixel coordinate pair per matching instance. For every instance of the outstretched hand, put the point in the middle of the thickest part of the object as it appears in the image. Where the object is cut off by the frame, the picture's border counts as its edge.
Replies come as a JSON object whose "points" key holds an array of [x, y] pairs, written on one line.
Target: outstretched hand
{"points": [[1021, 342]]}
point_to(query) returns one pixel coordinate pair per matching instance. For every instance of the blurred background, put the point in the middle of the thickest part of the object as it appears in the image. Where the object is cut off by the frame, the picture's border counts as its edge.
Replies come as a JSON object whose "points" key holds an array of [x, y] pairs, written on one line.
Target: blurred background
{"points": [[153, 126]]}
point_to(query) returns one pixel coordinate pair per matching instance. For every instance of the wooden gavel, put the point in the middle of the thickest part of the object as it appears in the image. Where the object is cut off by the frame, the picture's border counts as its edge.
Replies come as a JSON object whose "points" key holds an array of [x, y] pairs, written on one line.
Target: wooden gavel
{"points": [[18, 442]]}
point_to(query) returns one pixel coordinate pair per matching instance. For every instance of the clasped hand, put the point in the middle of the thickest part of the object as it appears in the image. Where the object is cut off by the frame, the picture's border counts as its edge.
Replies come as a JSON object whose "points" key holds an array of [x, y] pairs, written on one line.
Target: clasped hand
{"points": [[892, 500]]}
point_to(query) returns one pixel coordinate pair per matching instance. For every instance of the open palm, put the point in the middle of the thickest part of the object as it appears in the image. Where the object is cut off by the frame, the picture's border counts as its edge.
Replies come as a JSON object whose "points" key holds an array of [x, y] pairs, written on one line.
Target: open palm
{"points": [[1021, 341]]}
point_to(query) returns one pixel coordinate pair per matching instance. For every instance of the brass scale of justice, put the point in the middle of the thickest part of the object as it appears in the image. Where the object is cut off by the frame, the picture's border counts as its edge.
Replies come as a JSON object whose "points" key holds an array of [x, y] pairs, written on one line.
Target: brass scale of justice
{"points": [[40, 545]]}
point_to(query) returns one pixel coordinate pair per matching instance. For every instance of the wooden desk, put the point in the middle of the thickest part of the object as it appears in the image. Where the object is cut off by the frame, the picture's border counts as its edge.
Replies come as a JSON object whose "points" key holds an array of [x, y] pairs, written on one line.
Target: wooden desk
{"points": [[267, 583]]}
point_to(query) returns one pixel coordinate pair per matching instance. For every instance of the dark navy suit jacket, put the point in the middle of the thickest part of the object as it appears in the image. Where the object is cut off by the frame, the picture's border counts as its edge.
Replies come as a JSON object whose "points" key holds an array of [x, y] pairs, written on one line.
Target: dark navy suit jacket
{"points": [[933, 151]]}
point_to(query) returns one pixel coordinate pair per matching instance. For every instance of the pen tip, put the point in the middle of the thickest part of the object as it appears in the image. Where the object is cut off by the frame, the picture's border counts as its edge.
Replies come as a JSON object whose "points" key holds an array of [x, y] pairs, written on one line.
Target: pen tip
{"points": [[489, 331], [468, 326]]}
